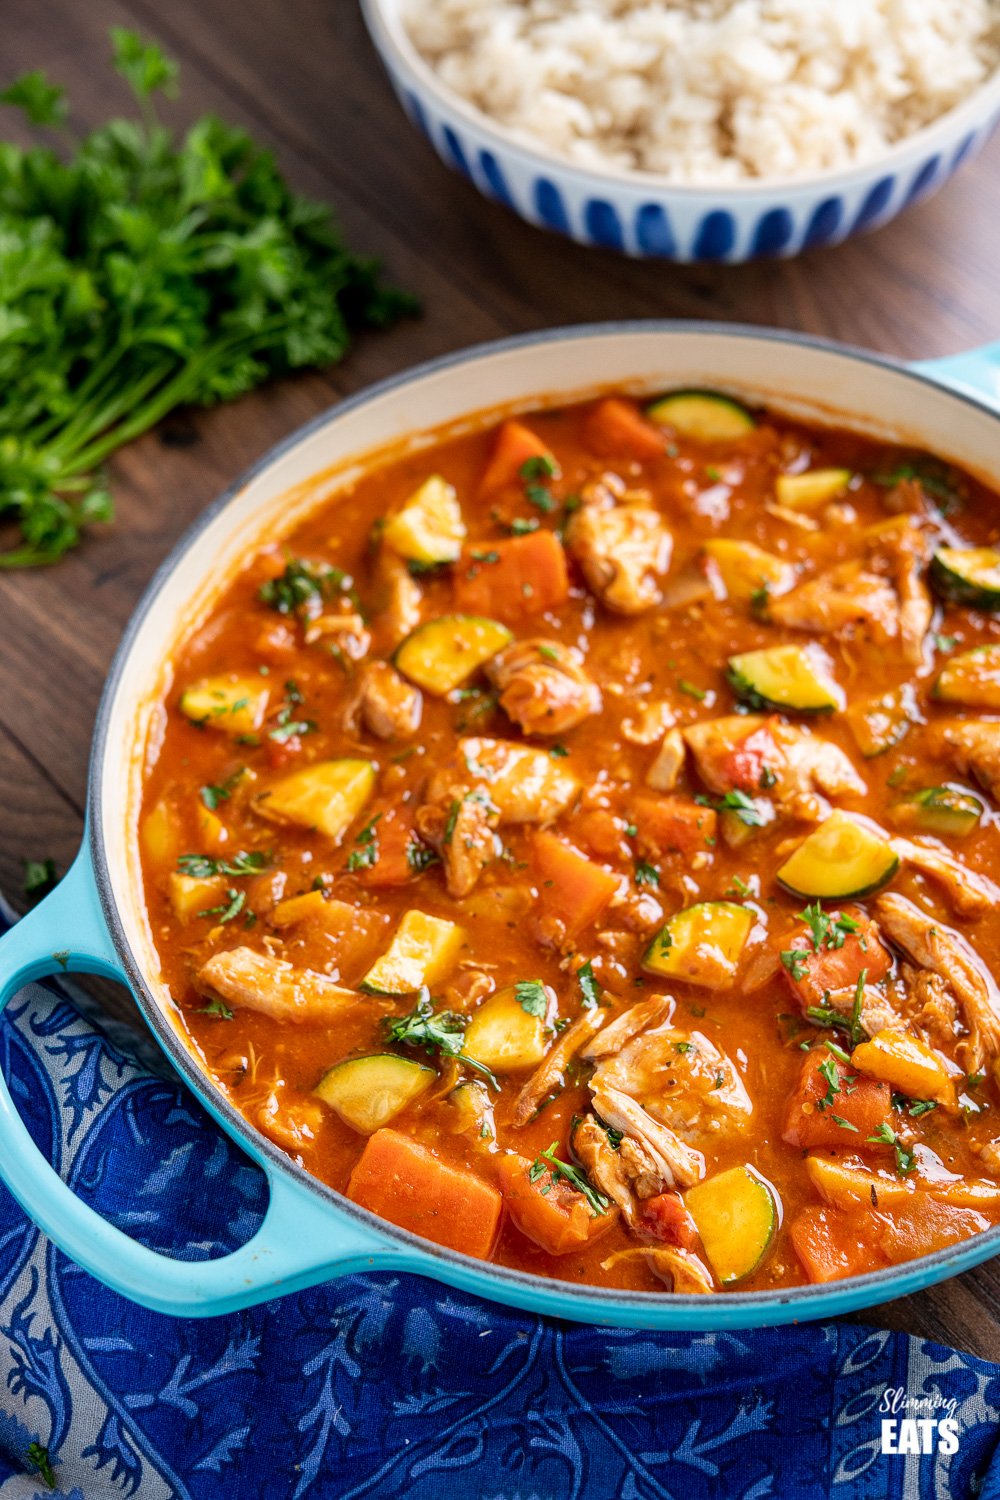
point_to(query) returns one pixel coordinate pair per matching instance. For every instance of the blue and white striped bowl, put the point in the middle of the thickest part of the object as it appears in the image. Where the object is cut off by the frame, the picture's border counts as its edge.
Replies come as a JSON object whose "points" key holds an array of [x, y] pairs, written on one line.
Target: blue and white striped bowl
{"points": [[642, 214]]}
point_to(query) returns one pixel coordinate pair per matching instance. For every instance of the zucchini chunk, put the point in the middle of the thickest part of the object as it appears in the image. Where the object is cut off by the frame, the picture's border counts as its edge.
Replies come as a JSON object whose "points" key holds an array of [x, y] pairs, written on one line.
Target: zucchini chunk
{"points": [[444, 653], [429, 528], [368, 1092], [736, 1215], [421, 952], [703, 416], [234, 703], [967, 575], [744, 569], [943, 810], [701, 944], [506, 1037], [325, 797], [815, 487], [841, 859], [879, 723], [972, 678], [796, 679]]}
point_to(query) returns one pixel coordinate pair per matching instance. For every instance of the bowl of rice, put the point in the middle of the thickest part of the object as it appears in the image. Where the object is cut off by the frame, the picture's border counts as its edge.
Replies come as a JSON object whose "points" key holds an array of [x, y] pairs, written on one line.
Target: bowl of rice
{"points": [[698, 130]]}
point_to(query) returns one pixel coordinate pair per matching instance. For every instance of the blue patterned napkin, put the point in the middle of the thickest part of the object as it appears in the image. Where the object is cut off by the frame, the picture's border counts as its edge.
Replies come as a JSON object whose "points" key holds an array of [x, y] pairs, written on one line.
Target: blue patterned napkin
{"points": [[390, 1386]]}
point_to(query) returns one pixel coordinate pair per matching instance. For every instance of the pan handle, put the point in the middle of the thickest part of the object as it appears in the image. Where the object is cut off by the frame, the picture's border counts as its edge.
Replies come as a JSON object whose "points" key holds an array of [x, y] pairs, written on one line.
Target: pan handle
{"points": [[976, 371], [303, 1239]]}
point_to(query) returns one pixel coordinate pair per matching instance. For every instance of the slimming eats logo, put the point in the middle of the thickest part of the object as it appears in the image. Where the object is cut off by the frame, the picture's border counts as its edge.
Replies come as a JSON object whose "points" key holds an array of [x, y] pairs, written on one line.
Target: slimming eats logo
{"points": [[918, 1424]]}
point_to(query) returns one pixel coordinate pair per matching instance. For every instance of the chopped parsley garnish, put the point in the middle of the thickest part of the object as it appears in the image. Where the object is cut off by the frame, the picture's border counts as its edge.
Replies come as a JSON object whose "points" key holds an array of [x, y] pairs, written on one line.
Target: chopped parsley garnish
{"points": [[419, 857], [827, 931], [736, 802], [692, 691], [524, 525], [549, 652], [540, 498], [739, 887], [201, 867], [229, 909], [796, 961], [531, 996], [215, 1008], [827, 1070], [646, 874], [221, 791], [844, 1124], [768, 778], [539, 466], [558, 750], [857, 1030], [366, 854], [906, 1161], [491, 556], [547, 1162], [945, 642], [288, 725], [913, 1107], [590, 994], [303, 587], [437, 1032]]}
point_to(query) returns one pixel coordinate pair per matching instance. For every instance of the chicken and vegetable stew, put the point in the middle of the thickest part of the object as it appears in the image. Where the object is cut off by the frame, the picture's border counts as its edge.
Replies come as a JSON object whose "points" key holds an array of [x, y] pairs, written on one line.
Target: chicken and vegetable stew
{"points": [[574, 844]]}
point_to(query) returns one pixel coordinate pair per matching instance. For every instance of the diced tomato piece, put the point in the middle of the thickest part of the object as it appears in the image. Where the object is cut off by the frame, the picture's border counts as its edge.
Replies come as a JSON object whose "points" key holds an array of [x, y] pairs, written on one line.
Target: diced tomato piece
{"points": [[666, 1219], [671, 825], [617, 429], [836, 968], [528, 576], [400, 1180], [862, 1102], [570, 886], [548, 1210], [393, 838], [832, 1244], [515, 445], [746, 766]]}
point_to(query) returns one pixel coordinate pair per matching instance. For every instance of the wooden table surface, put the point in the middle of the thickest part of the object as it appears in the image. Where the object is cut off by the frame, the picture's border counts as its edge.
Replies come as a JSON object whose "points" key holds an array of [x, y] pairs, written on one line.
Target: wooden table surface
{"points": [[304, 78]]}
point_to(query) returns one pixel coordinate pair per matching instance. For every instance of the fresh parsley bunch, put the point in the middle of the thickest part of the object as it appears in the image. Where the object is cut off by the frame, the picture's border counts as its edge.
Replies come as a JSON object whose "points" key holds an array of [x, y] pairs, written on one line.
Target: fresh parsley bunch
{"points": [[139, 273]]}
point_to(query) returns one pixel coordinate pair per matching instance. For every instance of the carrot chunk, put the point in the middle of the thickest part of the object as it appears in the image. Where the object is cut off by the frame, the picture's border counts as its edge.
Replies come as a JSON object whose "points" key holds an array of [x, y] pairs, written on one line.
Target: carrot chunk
{"points": [[548, 1210], [525, 576], [515, 445], [617, 429], [831, 1244], [570, 886], [836, 968], [924, 1225], [671, 825], [401, 1181], [818, 1105]]}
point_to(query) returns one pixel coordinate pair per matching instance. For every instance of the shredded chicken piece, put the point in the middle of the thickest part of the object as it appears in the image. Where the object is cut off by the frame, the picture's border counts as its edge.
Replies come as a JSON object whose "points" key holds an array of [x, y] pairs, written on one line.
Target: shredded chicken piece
{"points": [[876, 1014], [543, 687], [386, 704], [460, 824], [885, 595], [346, 632], [973, 745], [672, 1160], [526, 785], [626, 1175], [680, 1270], [648, 723], [971, 894], [658, 1010], [623, 551], [846, 597], [401, 597], [938, 1012], [748, 752], [664, 774], [549, 1074], [272, 986], [946, 953], [990, 1157]]}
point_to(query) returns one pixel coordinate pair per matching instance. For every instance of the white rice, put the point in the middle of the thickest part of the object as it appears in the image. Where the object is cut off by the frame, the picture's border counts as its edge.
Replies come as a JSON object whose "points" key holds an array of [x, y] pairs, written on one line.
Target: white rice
{"points": [[710, 91]]}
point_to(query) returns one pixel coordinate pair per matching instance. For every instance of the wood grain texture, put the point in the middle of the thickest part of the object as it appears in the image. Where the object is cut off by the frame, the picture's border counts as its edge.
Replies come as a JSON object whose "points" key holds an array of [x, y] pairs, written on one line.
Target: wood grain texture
{"points": [[305, 80]]}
